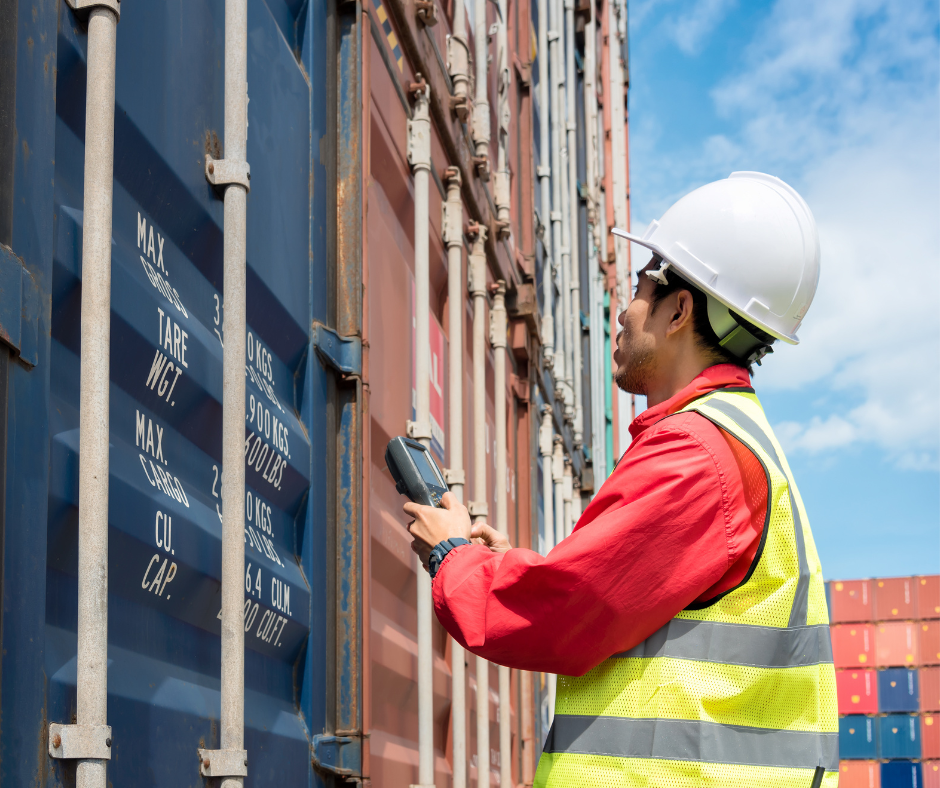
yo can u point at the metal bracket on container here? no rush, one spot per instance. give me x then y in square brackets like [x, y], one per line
[80, 742]
[344, 354]
[20, 306]
[222, 172]
[478, 509]
[416, 430]
[426, 11]
[452, 476]
[78, 6]
[223, 763]
[341, 755]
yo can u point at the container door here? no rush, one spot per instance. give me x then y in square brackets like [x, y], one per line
[167, 330]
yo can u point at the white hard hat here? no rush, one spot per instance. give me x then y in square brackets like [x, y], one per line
[749, 242]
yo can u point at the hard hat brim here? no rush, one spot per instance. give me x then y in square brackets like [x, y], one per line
[791, 339]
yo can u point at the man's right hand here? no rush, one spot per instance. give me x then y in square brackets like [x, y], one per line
[483, 534]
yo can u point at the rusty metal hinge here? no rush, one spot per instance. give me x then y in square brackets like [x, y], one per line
[342, 353]
[340, 755]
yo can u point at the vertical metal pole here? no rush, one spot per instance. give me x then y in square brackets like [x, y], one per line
[501, 190]
[233, 388]
[558, 477]
[453, 238]
[574, 293]
[478, 507]
[567, 487]
[618, 166]
[556, 213]
[546, 433]
[545, 172]
[458, 57]
[498, 341]
[419, 156]
[480, 123]
[94, 399]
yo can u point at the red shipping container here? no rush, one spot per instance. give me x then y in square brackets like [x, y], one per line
[929, 736]
[857, 691]
[931, 774]
[850, 600]
[896, 644]
[927, 597]
[859, 774]
[929, 642]
[853, 645]
[929, 679]
[894, 599]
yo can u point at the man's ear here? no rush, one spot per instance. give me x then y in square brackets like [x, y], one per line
[682, 312]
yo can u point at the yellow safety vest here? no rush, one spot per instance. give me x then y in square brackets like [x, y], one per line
[738, 693]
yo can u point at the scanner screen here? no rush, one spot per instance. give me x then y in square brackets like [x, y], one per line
[425, 468]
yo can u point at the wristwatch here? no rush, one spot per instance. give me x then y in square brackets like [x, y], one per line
[440, 550]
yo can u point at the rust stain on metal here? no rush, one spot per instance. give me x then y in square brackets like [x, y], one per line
[213, 147]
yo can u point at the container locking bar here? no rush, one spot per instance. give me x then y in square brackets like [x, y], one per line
[85, 742]
[223, 763]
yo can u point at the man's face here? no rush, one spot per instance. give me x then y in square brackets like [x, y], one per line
[635, 355]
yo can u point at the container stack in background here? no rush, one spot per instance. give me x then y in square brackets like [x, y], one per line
[886, 649]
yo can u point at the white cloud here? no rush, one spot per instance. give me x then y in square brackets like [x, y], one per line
[840, 98]
[688, 26]
[690, 29]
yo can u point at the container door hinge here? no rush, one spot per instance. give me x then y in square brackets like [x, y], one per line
[80, 742]
[344, 354]
[340, 755]
[223, 763]
[19, 308]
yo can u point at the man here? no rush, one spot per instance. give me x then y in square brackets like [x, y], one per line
[685, 616]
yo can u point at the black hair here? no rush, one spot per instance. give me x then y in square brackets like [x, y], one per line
[707, 338]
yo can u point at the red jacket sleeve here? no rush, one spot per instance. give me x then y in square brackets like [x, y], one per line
[655, 538]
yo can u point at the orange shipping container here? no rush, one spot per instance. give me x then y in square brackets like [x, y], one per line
[850, 601]
[894, 599]
[930, 736]
[896, 644]
[929, 679]
[929, 643]
[931, 774]
[859, 774]
[853, 645]
[927, 597]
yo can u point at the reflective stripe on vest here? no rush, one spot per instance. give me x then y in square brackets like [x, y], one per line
[738, 691]
[692, 740]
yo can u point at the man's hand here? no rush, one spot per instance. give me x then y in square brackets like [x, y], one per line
[486, 535]
[432, 525]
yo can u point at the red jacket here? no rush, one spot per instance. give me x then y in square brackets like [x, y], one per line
[679, 520]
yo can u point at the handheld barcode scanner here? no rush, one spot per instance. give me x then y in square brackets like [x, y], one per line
[415, 472]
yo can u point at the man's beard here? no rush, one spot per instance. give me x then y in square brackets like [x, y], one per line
[638, 364]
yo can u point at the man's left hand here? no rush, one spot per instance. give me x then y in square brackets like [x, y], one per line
[433, 525]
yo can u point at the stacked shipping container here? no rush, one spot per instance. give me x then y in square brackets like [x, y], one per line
[886, 648]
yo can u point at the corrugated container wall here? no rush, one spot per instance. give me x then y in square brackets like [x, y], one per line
[336, 669]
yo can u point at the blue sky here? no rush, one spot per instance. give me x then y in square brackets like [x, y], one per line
[840, 98]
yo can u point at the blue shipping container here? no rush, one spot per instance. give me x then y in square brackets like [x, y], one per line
[901, 774]
[898, 690]
[858, 737]
[900, 736]
[167, 330]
